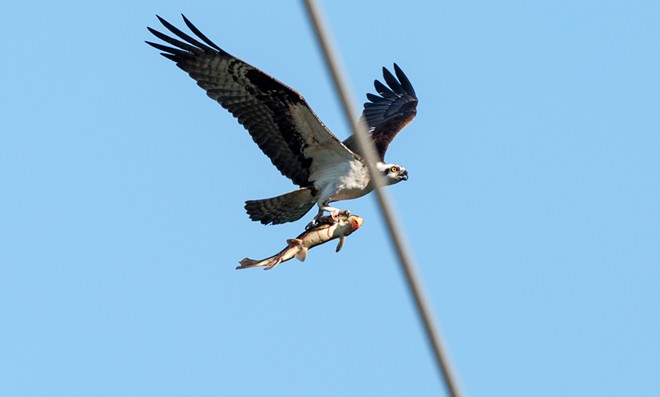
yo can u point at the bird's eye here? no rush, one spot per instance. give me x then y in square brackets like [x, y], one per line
[393, 169]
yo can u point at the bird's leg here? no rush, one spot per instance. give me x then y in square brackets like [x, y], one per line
[334, 216]
[316, 220]
[334, 212]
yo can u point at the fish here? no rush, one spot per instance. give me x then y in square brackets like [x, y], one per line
[325, 229]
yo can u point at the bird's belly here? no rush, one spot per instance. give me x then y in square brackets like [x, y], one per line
[347, 181]
[349, 193]
[352, 186]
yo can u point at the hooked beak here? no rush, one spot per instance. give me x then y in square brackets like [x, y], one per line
[404, 175]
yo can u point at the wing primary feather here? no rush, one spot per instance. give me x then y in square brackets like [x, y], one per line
[392, 82]
[383, 90]
[171, 57]
[373, 98]
[183, 35]
[169, 50]
[199, 34]
[175, 42]
[407, 85]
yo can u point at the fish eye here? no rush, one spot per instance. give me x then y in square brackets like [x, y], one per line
[394, 168]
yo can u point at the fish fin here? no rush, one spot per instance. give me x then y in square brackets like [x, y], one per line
[294, 242]
[302, 254]
[273, 263]
[340, 243]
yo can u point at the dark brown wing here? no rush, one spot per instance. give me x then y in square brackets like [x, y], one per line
[277, 117]
[386, 114]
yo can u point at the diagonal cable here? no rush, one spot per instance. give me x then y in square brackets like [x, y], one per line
[369, 151]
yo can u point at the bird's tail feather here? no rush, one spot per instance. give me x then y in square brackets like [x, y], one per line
[288, 207]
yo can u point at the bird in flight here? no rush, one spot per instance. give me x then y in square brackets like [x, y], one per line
[286, 129]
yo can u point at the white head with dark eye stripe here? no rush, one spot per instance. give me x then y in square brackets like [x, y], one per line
[393, 173]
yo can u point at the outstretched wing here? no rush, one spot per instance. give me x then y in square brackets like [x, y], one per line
[277, 117]
[386, 114]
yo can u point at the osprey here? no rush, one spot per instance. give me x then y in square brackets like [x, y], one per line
[287, 130]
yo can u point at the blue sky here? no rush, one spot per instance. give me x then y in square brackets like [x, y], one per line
[532, 206]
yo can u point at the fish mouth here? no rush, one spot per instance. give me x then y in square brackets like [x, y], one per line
[356, 222]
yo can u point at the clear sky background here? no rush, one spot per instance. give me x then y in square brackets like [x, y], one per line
[532, 208]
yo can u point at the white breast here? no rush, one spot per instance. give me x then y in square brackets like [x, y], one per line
[343, 181]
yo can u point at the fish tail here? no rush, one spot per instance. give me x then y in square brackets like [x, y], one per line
[268, 263]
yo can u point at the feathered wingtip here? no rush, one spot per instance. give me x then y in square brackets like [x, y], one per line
[405, 83]
[395, 88]
[186, 45]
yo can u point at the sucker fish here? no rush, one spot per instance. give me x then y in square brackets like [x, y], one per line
[327, 228]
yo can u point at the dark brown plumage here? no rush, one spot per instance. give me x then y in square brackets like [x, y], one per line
[259, 102]
[386, 114]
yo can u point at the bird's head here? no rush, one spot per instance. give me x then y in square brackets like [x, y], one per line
[393, 173]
